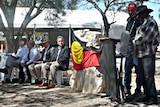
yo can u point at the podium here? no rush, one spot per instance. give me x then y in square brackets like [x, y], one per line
[113, 76]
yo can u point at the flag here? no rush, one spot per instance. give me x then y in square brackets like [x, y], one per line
[82, 56]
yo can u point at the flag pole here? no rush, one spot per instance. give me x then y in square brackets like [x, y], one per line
[34, 31]
[69, 35]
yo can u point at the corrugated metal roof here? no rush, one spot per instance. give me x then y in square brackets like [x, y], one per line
[75, 18]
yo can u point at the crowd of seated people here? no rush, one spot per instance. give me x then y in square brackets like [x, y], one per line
[37, 67]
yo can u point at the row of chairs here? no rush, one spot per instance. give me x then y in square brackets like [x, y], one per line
[61, 77]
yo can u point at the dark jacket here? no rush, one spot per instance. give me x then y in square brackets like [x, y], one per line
[50, 53]
[63, 58]
[132, 25]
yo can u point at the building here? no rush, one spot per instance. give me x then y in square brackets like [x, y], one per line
[76, 19]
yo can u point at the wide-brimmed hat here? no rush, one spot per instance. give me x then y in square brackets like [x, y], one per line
[143, 9]
[44, 40]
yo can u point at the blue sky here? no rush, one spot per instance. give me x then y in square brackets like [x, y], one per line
[155, 8]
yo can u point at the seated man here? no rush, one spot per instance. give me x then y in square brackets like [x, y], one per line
[32, 56]
[35, 68]
[59, 61]
[15, 59]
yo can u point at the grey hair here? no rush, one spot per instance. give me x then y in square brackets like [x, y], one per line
[60, 37]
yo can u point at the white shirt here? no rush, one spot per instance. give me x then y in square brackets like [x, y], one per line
[59, 50]
[34, 56]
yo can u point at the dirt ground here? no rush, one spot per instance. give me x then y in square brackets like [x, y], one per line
[26, 95]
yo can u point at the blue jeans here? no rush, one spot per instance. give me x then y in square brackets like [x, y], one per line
[10, 63]
[130, 62]
[147, 71]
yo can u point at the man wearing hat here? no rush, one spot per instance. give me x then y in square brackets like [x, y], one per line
[131, 60]
[59, 61]
[35, 68]
[146, 42]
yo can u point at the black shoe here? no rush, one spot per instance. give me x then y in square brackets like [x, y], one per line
[21, 81]
[7, 81]
[132, 97]
[137, 90]
[3, 82]
[4, 70]
[28, 81]
[144, 99]
[37, 82]
[15, 80]
[33, 83]
[137, 93]
[151, 101]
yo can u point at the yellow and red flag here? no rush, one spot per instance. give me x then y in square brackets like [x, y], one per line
[82, 56]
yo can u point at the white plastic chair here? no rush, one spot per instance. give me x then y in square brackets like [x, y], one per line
[60, 77]
[15, 73]
[2, 64]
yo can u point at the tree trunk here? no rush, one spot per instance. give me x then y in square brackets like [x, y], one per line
[11, 44]
[106, 25]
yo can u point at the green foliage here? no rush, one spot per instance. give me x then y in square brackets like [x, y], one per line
[35, 7]
[72, 4]
[57, 4]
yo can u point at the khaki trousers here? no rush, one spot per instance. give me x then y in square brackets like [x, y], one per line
[53, 70]
[45, 70]
[35, 70]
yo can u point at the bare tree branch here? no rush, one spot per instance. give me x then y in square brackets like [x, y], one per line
[95, 5]
[29, 16]
[105, 3]
[9, 12]
[3, 7]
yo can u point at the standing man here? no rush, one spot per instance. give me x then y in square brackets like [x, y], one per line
[35, 68]
[60, 61]
[131, 60]
[32, 56]
[146, 42]
[14, 60]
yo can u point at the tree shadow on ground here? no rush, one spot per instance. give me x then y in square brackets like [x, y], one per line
[29, 95]
[133, 100]
[26, 95]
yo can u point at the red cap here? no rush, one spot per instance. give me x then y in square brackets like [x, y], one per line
[131, 7]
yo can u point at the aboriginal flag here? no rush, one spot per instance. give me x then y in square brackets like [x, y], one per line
[82, 56]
